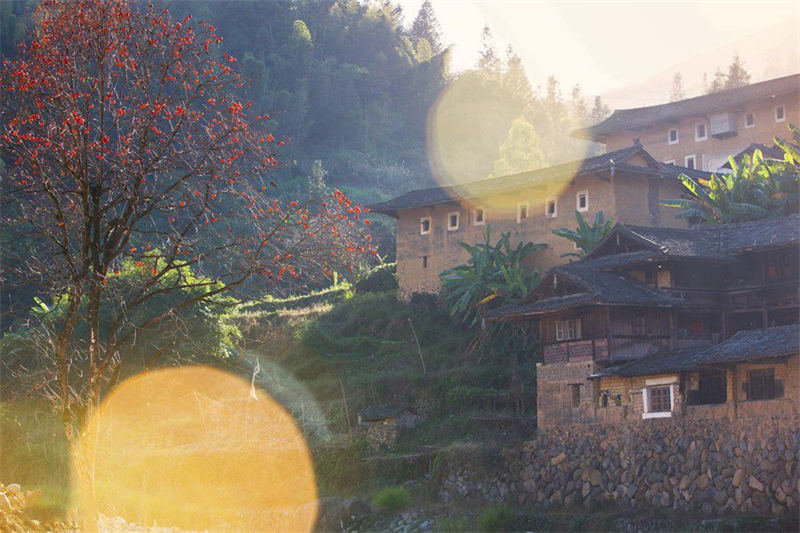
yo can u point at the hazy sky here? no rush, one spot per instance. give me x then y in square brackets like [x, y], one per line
[601, 45]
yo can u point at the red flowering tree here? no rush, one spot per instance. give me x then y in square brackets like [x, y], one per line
[127, 148]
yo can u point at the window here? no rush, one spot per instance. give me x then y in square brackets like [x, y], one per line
[479, 218]
[659, 399]
[780, 114]
[424, 261]
[550, 208]
[762, 385]
[690, 161]
[749, 120]
[576, 394]
[640, 325]
[452, 221]
[700, 132]
[568, 329]
[582, 201]
[672, 137]
[522, 212]
[424, 225]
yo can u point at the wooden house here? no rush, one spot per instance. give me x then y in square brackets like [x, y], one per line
[659, 318]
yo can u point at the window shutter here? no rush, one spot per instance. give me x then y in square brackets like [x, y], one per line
[645, 400]
[779, 388]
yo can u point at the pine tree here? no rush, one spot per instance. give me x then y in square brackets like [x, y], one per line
[599, 111]
[521, 151]
[677, 88]
[426, 26]
[488, 62]
[737, 75]
[515, 78]
[718, 83]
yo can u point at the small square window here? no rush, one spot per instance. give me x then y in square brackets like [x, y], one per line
[480, 217]
[452, 221]
[522, 212]
[582, 201]
[673, 136]
[424, 225]
[659, 399]
[567, 330]
[700, 133]
[424, 261]
[550, 208]
[749, 120]
[780, 114]
[690, 162]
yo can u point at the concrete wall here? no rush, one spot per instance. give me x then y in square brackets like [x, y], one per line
[655, 142]
[713, 467]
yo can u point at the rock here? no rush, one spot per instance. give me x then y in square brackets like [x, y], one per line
[596, 477]
[756, 484]
[558, 459]
[720, 497]
[738, 477]
[703, 482]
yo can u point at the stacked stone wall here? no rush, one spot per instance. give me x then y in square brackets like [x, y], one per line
[711, 467]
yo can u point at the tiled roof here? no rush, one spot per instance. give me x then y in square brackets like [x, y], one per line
[641, 117]
[751, 345]
[602, 286]
[544, 177]
[712, 242]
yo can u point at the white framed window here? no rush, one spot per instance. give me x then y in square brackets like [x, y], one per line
[522, 212]
[551, 208]
[690, 161]
[669, 162]
[567, 330]
[424, 225]
[453, 219]
[700, 132]
[479, 217]
[658, 397]
[749, 120]
[672, 136]
[780, 113]
[582, 201]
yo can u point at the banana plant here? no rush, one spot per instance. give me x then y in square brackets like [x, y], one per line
[586, 237]
[493, 274]
[754, 189]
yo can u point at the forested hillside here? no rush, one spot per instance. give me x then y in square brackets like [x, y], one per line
[351, 88]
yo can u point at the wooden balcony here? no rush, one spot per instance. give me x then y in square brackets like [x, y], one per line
[576, 350]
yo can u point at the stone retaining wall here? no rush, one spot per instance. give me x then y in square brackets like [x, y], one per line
[708, 466]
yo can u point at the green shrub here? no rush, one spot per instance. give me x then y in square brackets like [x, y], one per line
[497, 517]
[392, 499]
[381, 279]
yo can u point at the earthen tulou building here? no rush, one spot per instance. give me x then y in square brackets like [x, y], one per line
[660, 320]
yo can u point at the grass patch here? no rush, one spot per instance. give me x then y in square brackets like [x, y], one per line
[392, 499]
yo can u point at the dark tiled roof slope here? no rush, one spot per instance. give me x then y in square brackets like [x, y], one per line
[640, 117]
[545, 176]
[713, 242]
[603, 286]
[751, 345]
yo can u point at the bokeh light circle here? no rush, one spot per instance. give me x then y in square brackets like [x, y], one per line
[194, 448]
